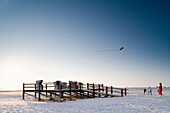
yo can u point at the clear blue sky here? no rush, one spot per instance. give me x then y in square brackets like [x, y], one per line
[59, 39]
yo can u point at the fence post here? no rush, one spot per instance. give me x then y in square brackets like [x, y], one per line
[106, 91]
[99, 90]
[35, 92]
[125, 91]
[111, 90]
[121, 92]
[93, 91]
[23, 91]
[70, 89]
[39, 98]
[88, 89]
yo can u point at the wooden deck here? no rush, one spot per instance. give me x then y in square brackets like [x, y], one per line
[69, 92]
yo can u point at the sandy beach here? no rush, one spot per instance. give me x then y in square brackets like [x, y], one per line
[134, 102]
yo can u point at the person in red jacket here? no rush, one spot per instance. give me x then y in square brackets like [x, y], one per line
[160, 89]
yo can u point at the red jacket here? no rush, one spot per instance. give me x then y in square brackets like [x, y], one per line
[160, 90]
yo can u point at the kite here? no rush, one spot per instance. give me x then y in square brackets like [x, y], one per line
[121, 48]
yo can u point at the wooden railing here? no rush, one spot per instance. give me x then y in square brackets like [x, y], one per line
[108, 90]
[88, 90]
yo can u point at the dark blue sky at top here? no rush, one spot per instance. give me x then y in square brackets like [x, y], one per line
[143, 24]
[73, 26]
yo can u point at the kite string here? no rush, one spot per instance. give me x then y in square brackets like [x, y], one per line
[108, 50]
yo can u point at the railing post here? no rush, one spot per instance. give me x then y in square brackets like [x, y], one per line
[39, 98]
[35, 92]
[88, 89]
[93, 91]
[23, 95]
[70, 89]
[76, 87]
[99, 90]
[60, 92]
[106, 91]
[80, 89]
[121, 92]
[102, 87]
[111, 89]
[46, 89]
[125, 91]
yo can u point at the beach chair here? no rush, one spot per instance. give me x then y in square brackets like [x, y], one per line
[39, 82]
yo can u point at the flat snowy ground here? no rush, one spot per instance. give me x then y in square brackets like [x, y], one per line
[135, 102]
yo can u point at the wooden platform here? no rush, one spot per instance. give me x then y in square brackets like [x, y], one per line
[69, 93]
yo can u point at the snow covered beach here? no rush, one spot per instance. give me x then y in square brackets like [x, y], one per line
[135, 102]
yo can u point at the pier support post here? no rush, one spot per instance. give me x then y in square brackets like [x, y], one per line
[35, 91]
[88, 89]
[80, 89]
[70, 90]
[23, 95]
[46, 89]
[102, 87]
[125, 91]
[39, 97]
[111, 89]
[121, 92]
[106, 92]
[99, 90]
[60, 92]
[93, 91]
[50, 96]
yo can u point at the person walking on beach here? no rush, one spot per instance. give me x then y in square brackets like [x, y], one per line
[149, 90]
[144, 91]
[160, 89]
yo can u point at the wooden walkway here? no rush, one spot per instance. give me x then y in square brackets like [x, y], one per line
[70, 91]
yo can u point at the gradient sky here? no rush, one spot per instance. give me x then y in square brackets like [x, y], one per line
[59, 39]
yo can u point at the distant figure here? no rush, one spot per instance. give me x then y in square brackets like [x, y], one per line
[160, 89]
[144, 91]
[149, 90]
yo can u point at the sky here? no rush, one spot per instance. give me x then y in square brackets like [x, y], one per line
[58, 40]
